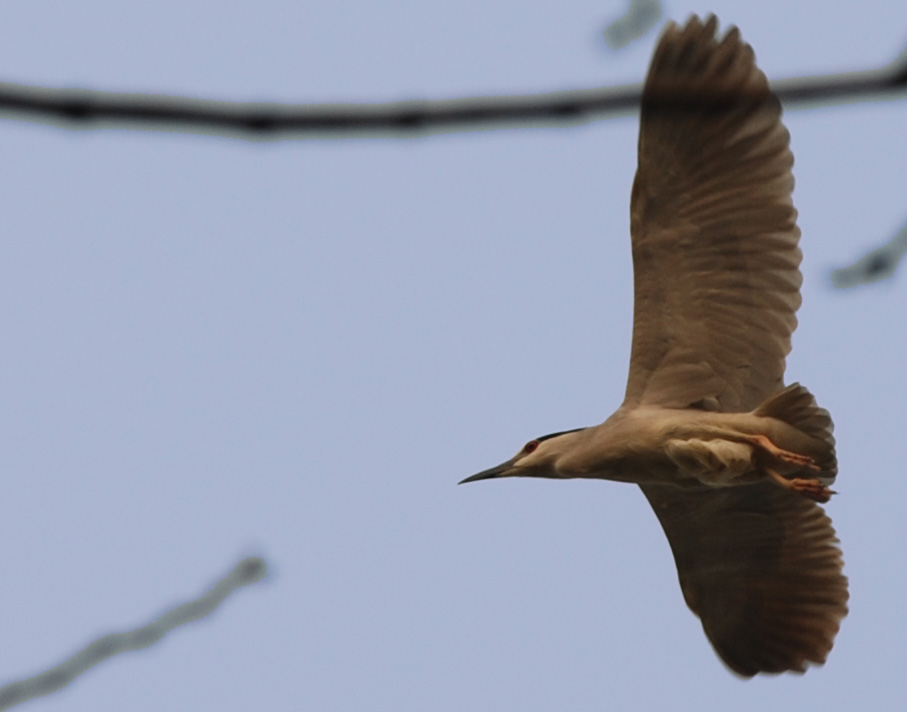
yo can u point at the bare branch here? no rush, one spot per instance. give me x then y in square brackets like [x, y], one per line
[245, 572]
[873, 266]
[87, 109]
[640, 17]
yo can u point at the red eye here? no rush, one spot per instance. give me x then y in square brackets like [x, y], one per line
[531, 446]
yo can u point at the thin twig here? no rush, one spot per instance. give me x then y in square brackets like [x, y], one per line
[87, 109]
[874, 266]
[640, 17]
[245, 572]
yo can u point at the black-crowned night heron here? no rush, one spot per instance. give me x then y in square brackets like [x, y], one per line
[731, 460]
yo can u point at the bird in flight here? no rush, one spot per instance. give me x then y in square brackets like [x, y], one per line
[733, 462]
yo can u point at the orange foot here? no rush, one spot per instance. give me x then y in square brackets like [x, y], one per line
[813, 489]
[785, 455]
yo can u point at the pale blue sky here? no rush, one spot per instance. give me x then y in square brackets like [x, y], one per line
[213, 348]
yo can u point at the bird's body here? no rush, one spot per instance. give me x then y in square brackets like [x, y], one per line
[683, 448]
[731, 460]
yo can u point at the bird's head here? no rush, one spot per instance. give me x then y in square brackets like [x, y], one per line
[537, 458]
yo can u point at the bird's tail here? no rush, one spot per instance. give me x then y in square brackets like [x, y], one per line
[797, 407]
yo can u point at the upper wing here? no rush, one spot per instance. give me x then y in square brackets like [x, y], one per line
[761, 567]
[714, 230]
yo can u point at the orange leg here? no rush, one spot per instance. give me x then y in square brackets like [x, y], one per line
[784, 455]
[813, 489]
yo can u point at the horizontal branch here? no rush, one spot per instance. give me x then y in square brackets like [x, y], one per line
[245, 572]
[88, 109]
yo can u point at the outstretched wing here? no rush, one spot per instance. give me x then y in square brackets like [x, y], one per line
[713, 228]
[761, 567]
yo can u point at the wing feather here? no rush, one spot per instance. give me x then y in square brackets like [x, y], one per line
[714, 232]
[761, 567]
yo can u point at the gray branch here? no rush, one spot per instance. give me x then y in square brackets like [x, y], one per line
[88, 109]
[245, 572]
[874, 266]
[640, 17]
